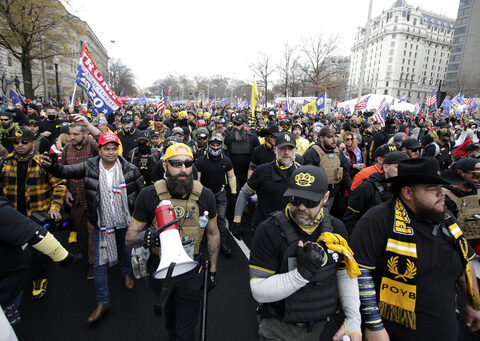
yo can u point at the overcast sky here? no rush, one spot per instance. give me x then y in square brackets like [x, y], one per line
[211, 37]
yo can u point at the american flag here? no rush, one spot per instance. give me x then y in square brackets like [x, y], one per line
[468, 101]
[383, 105]
[379, 117]
[362, 105]
[160, 108]
[287, 105]
[457, 100]
[431, 99]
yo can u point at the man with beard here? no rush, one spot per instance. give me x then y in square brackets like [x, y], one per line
[201, 138]
[300, 265]
[463, 200]
[128, 135]
[162, 130]
[173, 120]
[80, 149]
[144, 156]
[190, 199]
[326, 155]
[412, 254]
[264, 153]
[383, 136]
[269, 181]
[216, 168]
[240, 144]
[441, 148]
[6, 130]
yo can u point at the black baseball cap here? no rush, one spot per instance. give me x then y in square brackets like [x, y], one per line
[411, 143]
[384, 149]
[472, 146]
[239, 119]
[32, 123]
[395, 157]
[22, 134]
[158, 117]
[154, 133]
[467, 165]
[284, 138]
[144, 135]
[308, 182]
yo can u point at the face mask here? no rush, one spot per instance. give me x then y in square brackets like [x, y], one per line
[52, 117]
[128, 128]
[11, 107]
[215, 152]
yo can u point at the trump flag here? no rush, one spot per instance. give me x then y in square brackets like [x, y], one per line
[101, 97]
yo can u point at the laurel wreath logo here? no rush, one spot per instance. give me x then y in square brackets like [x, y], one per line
[409, 273]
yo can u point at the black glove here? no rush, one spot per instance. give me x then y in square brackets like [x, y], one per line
[71, 258]
[310, 258]
[237, 230]
[151, 238]
[212, 280]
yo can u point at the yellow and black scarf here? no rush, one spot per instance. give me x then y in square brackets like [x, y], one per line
[398, 287]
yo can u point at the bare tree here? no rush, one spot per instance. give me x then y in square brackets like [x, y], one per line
[26, 24]
[121, 78]
[287, 70]
[263, 70]
[315, 66]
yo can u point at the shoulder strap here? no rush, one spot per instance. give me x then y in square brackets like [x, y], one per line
[197, 190]
[287, 230]
[319, 150]
[458, 201]
[327, 225]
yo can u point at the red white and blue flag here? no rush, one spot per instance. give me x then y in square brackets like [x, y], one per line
[160, 107]
[431, 99]
[468, 101]
[287, 107]
[362, 105]
[383, 105]
[100, 96]
[457, 100]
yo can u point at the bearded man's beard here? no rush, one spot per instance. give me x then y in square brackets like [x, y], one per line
[179, 188]
[429, 213]
[239, 135]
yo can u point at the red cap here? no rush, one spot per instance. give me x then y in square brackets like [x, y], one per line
[107, 138]
[201, 123]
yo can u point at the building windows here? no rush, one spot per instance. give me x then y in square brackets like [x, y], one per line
[390, 59]
[453, 66]
[385, 92]
[455, 58]
[392, 44]
[392, 51]
[452, 75]
[457, 49]
[394, 35]
[9, 61]
[396, 18]
[395, 28]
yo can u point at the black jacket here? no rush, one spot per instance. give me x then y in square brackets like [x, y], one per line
[91, 172]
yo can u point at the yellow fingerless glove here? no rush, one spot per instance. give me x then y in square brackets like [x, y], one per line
[51, 247]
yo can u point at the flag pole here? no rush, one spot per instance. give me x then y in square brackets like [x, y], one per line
[75, 85]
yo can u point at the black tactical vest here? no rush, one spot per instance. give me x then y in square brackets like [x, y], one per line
[317, 300]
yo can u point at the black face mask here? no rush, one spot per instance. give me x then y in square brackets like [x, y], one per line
[52, 117]
[143, 148]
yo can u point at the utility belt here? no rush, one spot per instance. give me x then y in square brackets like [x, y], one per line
[268, 310]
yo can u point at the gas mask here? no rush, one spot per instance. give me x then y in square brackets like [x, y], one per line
[215, 152]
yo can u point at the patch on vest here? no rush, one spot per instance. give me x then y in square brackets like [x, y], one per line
[179, 212]
[465, 203]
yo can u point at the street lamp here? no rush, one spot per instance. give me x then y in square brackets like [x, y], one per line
[57, 86]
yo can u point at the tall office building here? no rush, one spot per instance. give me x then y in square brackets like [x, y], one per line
[463, 71]
[407, 53]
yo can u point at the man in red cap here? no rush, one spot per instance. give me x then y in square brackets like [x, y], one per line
[111, 185]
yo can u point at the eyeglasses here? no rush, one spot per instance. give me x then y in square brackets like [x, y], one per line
[15, 142]
[296, 201]
[349, 139]
[180, 163]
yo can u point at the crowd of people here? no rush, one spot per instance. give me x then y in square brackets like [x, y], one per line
[380, 218]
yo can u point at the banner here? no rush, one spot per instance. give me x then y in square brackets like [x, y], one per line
[320, 102]
[100, 96]
[254, 98]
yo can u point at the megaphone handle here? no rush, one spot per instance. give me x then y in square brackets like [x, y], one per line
[165, 291]
[163, 227]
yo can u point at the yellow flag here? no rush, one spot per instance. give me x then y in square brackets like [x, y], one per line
[310, 107]
[254, 99]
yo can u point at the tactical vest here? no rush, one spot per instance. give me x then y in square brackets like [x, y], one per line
[317, 300]
[241, 147]
[186, 210]
[381, 191]
[468, 207]
[330, 163]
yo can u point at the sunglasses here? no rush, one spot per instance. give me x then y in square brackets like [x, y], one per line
[5, 119]
[21, 141]
[349, 139]
[202, 138]
[180, 163]
[475, 175]
[158, 120]
[296, 201]
[237, 124]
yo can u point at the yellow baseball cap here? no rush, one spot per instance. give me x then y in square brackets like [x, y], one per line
[182, 114]
[178, 149]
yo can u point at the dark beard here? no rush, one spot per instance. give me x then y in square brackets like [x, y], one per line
[425, 213]
[179, 188]
[239, 135]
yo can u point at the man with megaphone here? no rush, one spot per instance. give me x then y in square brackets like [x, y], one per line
[175, 208]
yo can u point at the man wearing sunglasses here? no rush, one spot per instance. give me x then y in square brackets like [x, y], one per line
[300, 264]
[190, 200]
[264, 153]
[163, 130]
[440, 149]
[128, 134]
[411, 147]
[463, 200]
[31, 189]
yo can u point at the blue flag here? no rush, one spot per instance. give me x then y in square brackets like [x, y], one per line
[5, 99]
[16, 98]
[142, 100]
[320, 102]
[446, 104]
